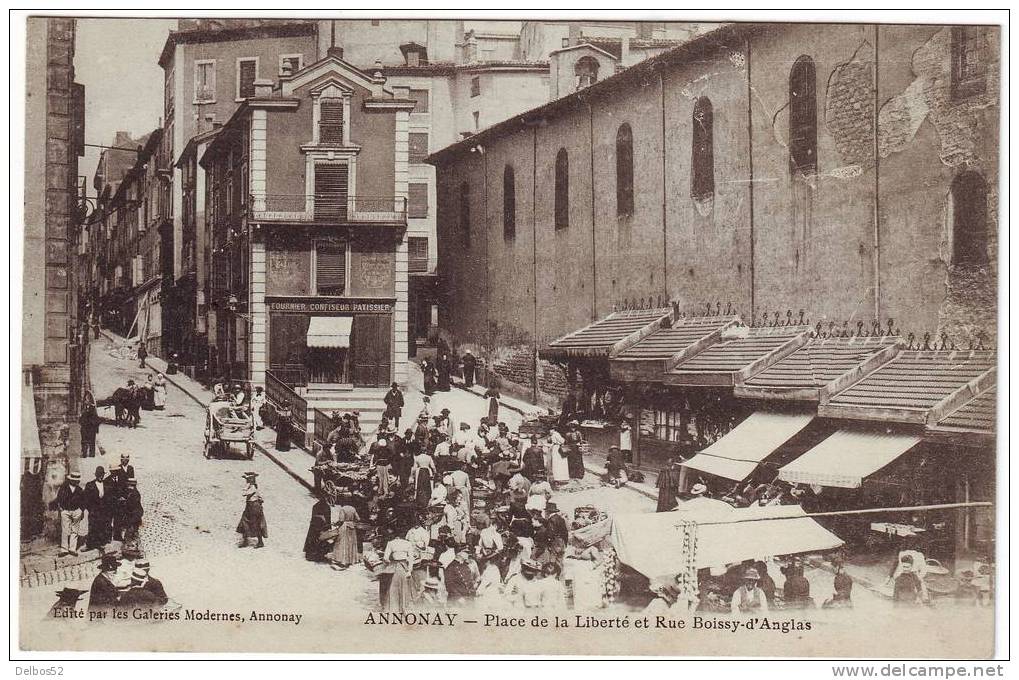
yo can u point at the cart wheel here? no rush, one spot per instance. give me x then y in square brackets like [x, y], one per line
[330, 490]
[249, 450]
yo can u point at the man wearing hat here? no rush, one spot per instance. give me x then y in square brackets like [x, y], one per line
[138, 594]
[461, 584]
[98, 502]
[105, 593]
[381, 458]
[394, 404]
[128, 518]
[749, 598]
[252, 523]
[533, 460]
[70, 504]
[154, 585]
[257, 402]
[67, 600]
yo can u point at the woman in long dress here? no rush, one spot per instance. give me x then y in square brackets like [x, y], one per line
[159, 392]
[454, 516]
[574, 456]
[252, 524]
[559, 464]
[346, 550]
[399, 559]
[314, 547]
[283, 427]
[422, 472]
[493, 397]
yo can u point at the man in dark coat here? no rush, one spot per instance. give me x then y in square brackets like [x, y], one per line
[89, 421]
[98, 503]
[533, 460]
[134, 404]
[315, 548]
[151, 583]
[442, 367]
[394, 404]
[70, 505]
[470, 364]
[128, 519]
[104, 594]
[460, 585]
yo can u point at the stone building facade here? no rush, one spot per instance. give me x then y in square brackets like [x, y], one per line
[54, 346]
[766, 167]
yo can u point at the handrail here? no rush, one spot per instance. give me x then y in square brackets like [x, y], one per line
[278, 392]
[329, 207]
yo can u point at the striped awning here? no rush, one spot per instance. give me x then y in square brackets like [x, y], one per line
[846, 458]
[736, 455]
[329, 331]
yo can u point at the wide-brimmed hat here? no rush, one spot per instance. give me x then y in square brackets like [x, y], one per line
[138, 574]
[751, 573]
[431, 583]
[109, 561]
[73, 476]
[249, 475]
[698, 489]
[131, 481]
[530, 565]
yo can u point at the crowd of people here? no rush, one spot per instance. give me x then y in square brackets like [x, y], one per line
[453, 514]
[124, 583]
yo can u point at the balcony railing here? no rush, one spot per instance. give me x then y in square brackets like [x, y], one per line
[329, 208]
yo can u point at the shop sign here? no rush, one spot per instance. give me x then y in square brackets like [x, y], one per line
[318, 305]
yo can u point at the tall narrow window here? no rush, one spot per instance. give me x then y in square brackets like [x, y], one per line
[205, 81]
[417, 200]
[418, 146]
[624, 171]
[417, 254]
[247, 72]
[969, 71]
[803, 117]
[969, 219]
[330, 268]
[702, 163]
[465, 214]
[331, 187]
[585, 72]
[562, 189]
[330, 121]
[509, 204]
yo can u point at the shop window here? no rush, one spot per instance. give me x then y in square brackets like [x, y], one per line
[420, 98]
[624, 171]
[465, 214]
[969, 219]
[969, 70]
[418, 143]
[562, 189]
[803, 117]
[702, 164]
[585, 72]
[509, 204]
[247, 72]
[330, 268]
[330, 121]
[668, 426]
[418, 200]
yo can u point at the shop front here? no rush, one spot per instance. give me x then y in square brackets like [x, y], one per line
[339, 342]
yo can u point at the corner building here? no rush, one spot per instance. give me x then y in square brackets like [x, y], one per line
[307, 207]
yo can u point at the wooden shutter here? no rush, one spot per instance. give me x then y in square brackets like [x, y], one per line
[420, 98]
[246, 79]
[417, 253]
[418, 204]
[330, 268]
[330, 192]
[330, 125]
[418, 142]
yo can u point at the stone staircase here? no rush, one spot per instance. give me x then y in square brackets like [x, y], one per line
[368, 401]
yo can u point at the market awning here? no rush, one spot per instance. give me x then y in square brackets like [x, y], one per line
[329, 331]
[607, 336]
[736, 455]
[846, 457]
[655, 544]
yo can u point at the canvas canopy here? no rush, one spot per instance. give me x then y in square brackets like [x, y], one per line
[329, 331]
[846, 457]
[736, 455]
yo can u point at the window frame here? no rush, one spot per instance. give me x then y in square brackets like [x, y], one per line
[509, 203]
[237, 78]
[428, 99]
[702, 150]
[300, 63]
[561, 190]
[624, 171]
[333, 241]
[196, 100]
[427, 210]
[964, 86]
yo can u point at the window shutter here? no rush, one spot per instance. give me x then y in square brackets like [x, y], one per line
[420, 98]
[418, 200]
[330, 126]
[417, 253]
[246, 86]
[331, 191]
[418, 142]
[330, 268]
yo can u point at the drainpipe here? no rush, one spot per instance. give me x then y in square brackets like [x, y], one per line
[750, 161]
[877, 187]
[594, 230]
[665, 214]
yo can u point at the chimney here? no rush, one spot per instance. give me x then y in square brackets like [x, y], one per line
[122, 138]
[335, 51]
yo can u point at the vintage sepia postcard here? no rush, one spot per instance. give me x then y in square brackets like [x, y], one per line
[544, 336]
